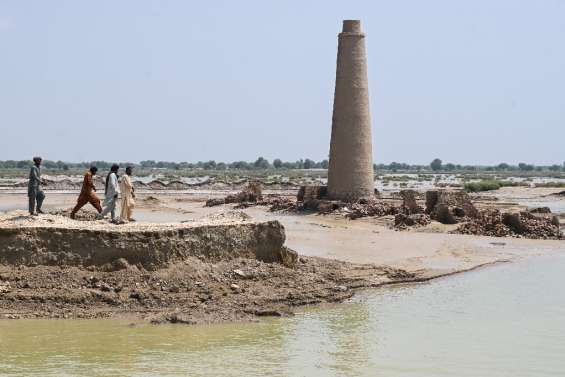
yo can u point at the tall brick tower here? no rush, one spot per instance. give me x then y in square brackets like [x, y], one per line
[350, 175]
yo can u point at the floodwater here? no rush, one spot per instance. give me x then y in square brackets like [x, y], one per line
[556, 206]
[505, 320]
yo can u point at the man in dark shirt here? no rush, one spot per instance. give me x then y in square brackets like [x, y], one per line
[34, 191]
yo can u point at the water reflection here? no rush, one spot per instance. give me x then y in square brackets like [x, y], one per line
[73, 347]
[331, 340]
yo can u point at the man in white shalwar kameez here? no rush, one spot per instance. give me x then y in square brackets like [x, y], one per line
[128, 196]
[111, 194]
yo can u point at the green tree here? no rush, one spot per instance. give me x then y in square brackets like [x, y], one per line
[394, 166]
[261, 163]
[241, 165]
[209, 165]
[277, 163]
[309, 164]
[436, 164]
[25, 164]
[147, 164]
[449, 166]
[525, 167]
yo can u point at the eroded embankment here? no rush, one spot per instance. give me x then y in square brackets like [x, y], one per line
[190, 292]
[212, 271]
[54, 240]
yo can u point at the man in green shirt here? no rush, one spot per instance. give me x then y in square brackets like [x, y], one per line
[34, 192]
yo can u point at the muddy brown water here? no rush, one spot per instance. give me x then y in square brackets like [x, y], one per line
[505, 320]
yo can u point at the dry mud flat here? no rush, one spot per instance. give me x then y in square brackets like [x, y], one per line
[224, 268]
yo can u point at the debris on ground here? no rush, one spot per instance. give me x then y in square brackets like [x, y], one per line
[252, 193]
[322, 206]
[279, 203]
[409, 202]
[444, 206]
[488, 223]
[151, 200]
[215, 202]
[540, 210]
[403, 221]
[82, 214]
[449, 207]
[522, 224]
[311, 198]
[374, 208]
[307, 193]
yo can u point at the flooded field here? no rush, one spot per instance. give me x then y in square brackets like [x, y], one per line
[499, 321]
[383, 182]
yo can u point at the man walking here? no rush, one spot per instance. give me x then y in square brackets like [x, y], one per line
[88, 193]
[34, 192]
[111, 193]
[128, 195]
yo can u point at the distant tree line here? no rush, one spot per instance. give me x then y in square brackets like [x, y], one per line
[262, 163]
[259, 164]
[437, 165]
[57, 165]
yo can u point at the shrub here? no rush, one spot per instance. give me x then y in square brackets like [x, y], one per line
[482, 186]
[490, 184]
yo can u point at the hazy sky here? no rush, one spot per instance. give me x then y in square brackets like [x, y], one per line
[475, 81]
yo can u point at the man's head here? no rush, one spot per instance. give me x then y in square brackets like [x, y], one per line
[129, 170]
[93, 170]
[37, 161]
[114, 168]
